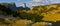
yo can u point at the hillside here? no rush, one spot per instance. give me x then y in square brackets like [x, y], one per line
[38, 16]
[50, 12]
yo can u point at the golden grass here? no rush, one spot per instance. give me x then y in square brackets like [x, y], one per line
[52, 16]
[40, 24]
[21, 23]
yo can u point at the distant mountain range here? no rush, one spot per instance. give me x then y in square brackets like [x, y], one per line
[13, 7]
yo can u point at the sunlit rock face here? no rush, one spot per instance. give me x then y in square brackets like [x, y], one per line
[23, 7]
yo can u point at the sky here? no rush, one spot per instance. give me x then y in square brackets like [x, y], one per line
[30, 3]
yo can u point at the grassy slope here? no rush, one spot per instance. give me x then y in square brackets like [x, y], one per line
[52, 15]
[50, 12]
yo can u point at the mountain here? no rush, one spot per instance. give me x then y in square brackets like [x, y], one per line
[50, 12]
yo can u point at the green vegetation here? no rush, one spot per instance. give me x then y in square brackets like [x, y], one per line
[36, 17]
[5, 10]
[56, 23]
[32, 17]
[23, 15]
[1, 20]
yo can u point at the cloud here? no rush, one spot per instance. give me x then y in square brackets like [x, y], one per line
[18, 0]
[36, 3]
[40, 2]
[37, 0]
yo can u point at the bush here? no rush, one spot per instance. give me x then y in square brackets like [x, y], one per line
[2, 20]
[32, 17]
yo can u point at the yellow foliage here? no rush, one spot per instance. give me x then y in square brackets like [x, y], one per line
[52, 16]
[40, 24]
[49, 16]
[21, 23]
